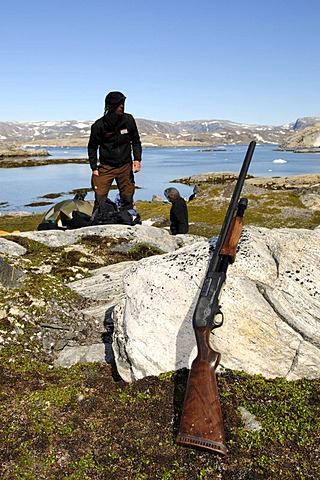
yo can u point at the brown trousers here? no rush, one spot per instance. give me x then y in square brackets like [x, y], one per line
[124, 178]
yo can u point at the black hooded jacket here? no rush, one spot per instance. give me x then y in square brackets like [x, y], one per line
[116, 137]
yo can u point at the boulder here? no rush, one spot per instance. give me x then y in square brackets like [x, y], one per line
[12, 249]
[81, 354]
[270, 302]
[10, 277]
[157, 237]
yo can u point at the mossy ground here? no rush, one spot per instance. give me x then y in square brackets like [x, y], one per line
[81, 424]
[23, 223]
[266, 208]
[270, 208]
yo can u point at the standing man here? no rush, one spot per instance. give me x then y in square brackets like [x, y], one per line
[178, 212]
[116, 137]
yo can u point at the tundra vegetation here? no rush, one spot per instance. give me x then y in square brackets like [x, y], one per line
[82, 423]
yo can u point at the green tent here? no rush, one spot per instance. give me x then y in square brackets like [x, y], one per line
[61, 213]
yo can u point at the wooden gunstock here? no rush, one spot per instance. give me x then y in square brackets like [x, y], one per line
[201, 424]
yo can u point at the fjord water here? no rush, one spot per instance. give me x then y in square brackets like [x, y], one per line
[25, 185]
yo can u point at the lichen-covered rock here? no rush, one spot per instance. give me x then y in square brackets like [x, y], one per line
[157, 237]
[271, 304]
[12, 249]
[10, 276]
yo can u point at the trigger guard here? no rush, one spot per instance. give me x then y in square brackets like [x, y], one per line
[218, 324]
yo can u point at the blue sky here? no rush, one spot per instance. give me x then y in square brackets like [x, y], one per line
[246, 61]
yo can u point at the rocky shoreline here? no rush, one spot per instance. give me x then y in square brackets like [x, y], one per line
[14, 155]
[294, 181]
[298, 150]
[277, 201]
[36, 161]
[12, 150]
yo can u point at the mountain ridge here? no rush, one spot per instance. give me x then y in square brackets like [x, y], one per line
[154, 133]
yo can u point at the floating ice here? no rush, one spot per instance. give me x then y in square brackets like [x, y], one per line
[279, 160]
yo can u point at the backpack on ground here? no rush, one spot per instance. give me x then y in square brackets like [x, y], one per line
[124, 217]
[130, 217]
[80, 219]
[50, 225]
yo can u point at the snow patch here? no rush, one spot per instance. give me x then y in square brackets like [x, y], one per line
[260, 139]
[317, 142]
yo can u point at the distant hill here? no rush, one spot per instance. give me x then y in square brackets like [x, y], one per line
[153, 133]
[306, 136]
[209, 132]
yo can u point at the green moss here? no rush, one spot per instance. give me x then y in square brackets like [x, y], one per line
[142, 250]
[287, 411]
[53, 395]
[84, 467]
[20, 358]
[36, 251]
[315, 219]
[148, 209]
[63, 439]
[128, 395]
[24, 223]
[44, 288]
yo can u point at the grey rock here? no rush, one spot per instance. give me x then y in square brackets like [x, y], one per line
[156, 199]
[80, 354]
[106, 283]
[52, 238]
[10, 248]
[134, 235]
[270, 301]
[249, 420]
[271, 304]
[10, 277]
[9, 150]
[106, 289]
[306, 138]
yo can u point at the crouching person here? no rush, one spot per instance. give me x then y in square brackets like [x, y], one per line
[178, 213]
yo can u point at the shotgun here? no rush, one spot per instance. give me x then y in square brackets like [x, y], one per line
[201, 422]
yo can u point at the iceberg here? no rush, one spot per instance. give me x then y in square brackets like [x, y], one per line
[279, 160]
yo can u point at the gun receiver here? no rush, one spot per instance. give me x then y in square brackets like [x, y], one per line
[201, 423]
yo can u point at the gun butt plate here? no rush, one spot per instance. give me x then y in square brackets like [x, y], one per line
[201, 443]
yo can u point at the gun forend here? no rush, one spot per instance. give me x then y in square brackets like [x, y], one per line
[230, 244]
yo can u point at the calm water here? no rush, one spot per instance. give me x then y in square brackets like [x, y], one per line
[21, 186]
